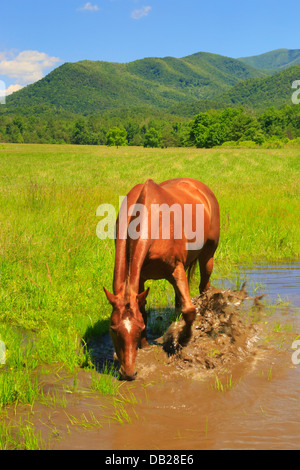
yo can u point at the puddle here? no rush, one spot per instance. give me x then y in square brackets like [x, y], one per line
[279, 281]
[233, 386]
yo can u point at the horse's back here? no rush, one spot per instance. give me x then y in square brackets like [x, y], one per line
[189, 190]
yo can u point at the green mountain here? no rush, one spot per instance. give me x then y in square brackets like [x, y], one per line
[256, 94]
[182, 87]
[261, 93]
[274, 61]
[90, 87]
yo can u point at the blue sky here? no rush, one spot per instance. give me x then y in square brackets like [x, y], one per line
[38, 35]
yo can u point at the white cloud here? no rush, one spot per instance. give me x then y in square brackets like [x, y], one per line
[89, 7]
[26, 67]
[140, 13]
[12, 88]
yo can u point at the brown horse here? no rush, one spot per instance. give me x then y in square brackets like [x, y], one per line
[159, 255]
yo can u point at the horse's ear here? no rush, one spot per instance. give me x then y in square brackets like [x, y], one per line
[141, 298]
[110, 297]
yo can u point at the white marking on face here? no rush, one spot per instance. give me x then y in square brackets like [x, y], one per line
[127, 324]
[130, 353]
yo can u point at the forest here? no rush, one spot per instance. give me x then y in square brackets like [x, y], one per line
[206, 130]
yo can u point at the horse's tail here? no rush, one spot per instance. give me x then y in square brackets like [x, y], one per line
[191, 270]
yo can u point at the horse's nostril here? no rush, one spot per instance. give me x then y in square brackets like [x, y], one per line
[124, 376]
[130, 377]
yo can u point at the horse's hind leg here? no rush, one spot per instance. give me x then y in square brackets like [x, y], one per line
[206, 263]
[206, 269]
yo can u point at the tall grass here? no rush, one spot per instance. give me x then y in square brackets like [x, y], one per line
[21, 436]
[106, 382]
[53, 267]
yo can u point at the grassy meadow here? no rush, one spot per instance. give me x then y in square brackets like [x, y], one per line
[53, 267]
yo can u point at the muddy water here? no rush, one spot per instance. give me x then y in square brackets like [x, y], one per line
[279, 281]
[241, 392]
[257, 413]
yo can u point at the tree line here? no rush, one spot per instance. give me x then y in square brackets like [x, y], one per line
[205, 130]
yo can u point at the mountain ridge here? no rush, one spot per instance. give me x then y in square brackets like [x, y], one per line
[273, 61]
[96, 86]
[196, 82]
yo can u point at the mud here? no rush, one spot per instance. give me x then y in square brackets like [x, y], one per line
[221, 334]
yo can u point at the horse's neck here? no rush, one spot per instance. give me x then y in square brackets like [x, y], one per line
[128, 264]
[130, 254]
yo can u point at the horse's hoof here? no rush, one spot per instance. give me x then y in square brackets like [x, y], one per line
[185, 335]
[144, 344]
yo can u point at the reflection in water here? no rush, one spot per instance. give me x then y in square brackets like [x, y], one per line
[280, 281]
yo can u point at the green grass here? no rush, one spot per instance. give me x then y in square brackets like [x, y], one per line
[21, 436]
[53, 267]
[106, 382]
[84, 422]
[222, 386]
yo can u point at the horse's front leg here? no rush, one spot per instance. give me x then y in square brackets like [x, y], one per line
[144, 341]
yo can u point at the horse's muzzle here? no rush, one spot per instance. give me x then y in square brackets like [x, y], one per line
[124, 376]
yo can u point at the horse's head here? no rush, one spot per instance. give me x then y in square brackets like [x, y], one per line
[126, 327]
